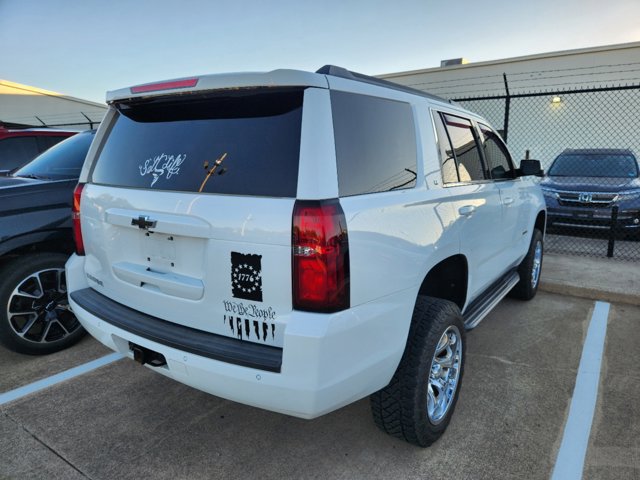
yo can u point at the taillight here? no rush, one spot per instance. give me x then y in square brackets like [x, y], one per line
[320, 257]
[75, 216]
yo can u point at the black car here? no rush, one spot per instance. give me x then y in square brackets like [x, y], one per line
[35, 241]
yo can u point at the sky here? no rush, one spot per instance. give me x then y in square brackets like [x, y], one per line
[83, 48]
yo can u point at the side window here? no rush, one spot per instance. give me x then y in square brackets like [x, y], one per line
[375, 144]
[465, 148]
[447, 160]
[496, 154]
[16, 151]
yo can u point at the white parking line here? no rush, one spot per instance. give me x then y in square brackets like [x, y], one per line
[573, 449]
[12, 395]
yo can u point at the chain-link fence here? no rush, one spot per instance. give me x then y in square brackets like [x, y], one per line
[588, 142]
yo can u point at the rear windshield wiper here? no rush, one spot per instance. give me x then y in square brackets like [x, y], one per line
[35, 177]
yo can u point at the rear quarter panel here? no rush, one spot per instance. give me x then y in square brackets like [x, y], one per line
[396, 237]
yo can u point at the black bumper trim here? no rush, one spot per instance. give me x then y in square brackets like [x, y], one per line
[198, 342]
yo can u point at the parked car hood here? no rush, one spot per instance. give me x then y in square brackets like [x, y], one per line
[6, 182]
[591, 184]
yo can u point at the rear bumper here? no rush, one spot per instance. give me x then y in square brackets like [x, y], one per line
[327, 360]
[189, 340]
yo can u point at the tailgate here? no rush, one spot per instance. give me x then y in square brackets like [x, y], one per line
[187, 212]
[227, 273]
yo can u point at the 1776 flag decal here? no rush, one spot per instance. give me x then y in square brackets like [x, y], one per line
[246, 276]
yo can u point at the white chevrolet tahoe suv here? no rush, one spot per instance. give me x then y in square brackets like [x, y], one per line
[297, 241]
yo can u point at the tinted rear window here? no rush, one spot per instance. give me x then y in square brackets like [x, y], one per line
[375, 144]
[244, 144]
[62, 161]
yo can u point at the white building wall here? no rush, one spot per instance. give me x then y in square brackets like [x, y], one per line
[23, 104]
[584, 120]
[556, 70]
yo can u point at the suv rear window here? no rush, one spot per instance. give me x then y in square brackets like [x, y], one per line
[375, 144]
[245, 143]
[62, 161]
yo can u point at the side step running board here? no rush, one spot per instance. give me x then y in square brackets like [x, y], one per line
[481, 306]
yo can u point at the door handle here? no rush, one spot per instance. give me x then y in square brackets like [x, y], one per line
[467, 210]
[507, 201]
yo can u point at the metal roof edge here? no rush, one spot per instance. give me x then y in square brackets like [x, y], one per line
[536, 56]
[49, 93]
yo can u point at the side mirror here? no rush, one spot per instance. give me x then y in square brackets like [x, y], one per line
[530, 167]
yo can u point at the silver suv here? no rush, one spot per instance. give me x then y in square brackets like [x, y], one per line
[297, 241]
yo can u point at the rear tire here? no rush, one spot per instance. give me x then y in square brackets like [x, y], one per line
[34, 310]
[530, 269]
[418, 403]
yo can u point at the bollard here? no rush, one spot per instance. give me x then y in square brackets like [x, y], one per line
[612, 231]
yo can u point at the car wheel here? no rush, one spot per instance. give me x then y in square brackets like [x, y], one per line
[530, 269]
[418, 403]
[35, 317]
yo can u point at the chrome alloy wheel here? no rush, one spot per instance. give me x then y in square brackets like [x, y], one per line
[537, 264]
[444, 374]
[38, 309]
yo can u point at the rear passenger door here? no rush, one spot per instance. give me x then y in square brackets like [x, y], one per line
[476, 200]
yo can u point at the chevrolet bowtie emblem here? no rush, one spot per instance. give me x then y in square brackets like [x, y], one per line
[143, 222]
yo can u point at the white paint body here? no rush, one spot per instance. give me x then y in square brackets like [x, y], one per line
[395, 239]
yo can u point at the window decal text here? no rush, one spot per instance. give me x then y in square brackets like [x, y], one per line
[162, 165]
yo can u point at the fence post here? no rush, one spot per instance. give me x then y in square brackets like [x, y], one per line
[612, 231]
[507, 107]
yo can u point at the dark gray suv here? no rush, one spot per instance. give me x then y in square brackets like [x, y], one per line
[582, 187]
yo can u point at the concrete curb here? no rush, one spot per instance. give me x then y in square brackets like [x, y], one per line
[593, 278]
[589, 293]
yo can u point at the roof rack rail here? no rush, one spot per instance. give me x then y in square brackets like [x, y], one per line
[341, 72]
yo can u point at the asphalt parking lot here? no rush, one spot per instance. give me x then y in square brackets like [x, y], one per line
[124, 421]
